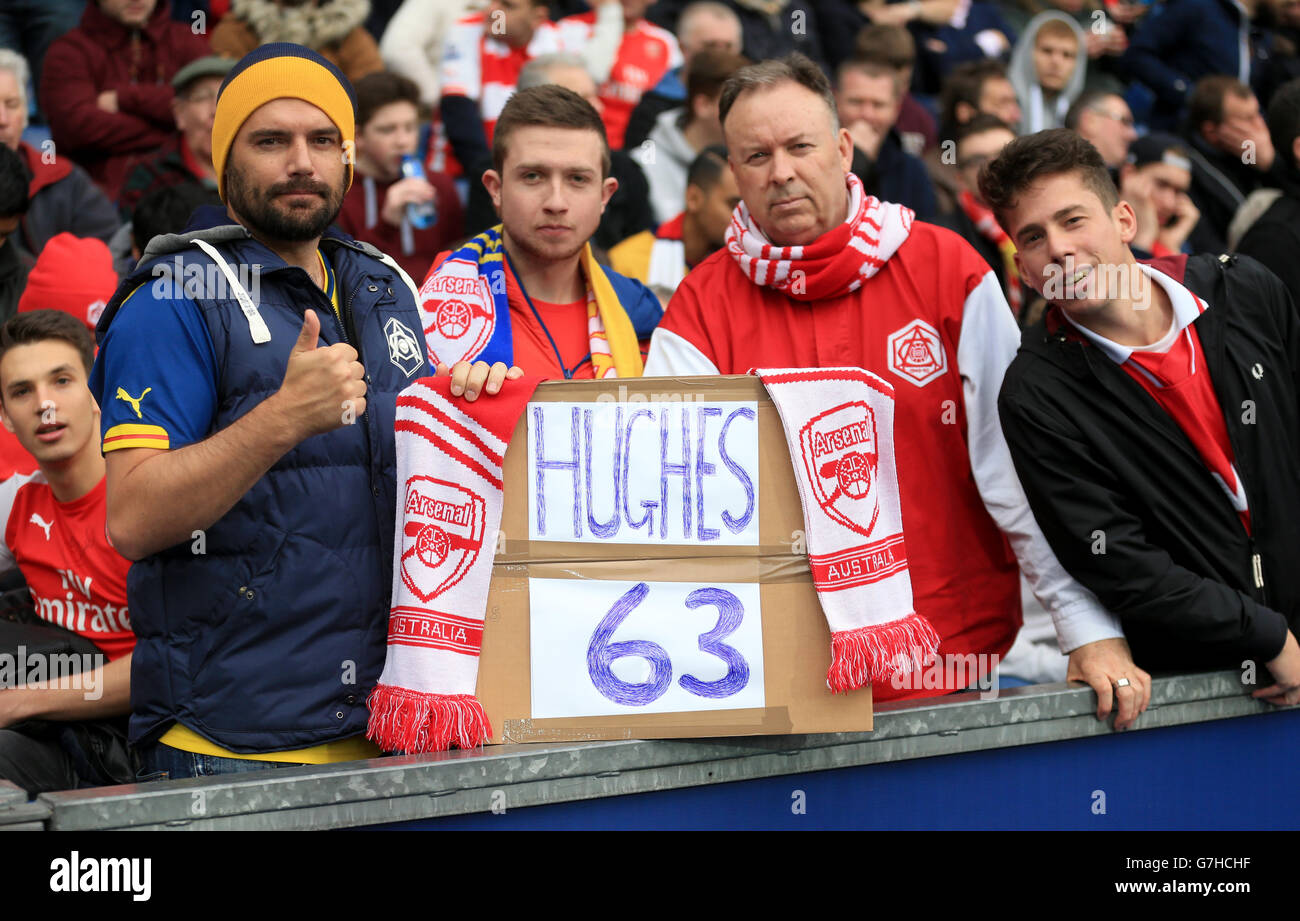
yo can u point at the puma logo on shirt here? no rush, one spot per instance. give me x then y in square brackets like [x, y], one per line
[42, 524]
[134, 401]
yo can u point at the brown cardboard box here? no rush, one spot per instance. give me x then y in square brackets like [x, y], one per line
[795, 637]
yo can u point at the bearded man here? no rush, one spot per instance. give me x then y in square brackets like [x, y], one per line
[248, 375]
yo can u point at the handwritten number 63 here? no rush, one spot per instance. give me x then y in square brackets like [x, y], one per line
[601, 653]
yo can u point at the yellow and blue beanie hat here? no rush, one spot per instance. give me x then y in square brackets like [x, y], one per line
[281, 70]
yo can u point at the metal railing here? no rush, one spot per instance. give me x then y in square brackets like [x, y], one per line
[415, 787]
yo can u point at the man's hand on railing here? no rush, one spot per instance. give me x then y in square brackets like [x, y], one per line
[1286, 674]
[1103, 665]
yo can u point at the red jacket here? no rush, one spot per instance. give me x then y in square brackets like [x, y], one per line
[99, 55]
[415, 251]
[943, 339]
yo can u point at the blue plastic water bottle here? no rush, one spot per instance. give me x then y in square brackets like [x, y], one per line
[420, 216]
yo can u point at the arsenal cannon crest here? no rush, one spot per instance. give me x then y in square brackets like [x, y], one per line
[916, 353]
[458, 315]
[840, 454]
[442, 537]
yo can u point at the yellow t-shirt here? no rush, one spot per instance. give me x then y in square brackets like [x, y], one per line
[353, 748]
[331, 289]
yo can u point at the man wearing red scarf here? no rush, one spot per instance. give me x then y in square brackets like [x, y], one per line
[818, 274]
[979, 141]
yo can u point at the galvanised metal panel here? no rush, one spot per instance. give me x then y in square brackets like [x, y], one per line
[517, 777]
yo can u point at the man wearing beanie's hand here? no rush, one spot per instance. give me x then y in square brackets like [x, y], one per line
[248, 376]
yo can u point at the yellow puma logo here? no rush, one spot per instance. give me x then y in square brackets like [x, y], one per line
[134, 401]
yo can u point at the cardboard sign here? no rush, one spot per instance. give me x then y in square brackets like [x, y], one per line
[683, 606]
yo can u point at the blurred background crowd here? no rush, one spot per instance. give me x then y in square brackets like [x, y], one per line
[106, 112]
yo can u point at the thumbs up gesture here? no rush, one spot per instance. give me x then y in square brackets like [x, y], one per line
[323, 388]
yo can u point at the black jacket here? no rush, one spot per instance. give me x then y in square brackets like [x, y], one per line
[14, 267]
[895, 175]
[960, 223]
[1128, 505]
[793, 28]
[1220, 183]
[1274, 239]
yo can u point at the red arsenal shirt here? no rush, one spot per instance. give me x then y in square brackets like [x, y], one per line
[646, 53]
[943, 339]
[482, 67]
[77, 579]
[14, 458]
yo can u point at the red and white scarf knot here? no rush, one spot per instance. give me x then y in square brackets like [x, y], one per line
[834, 264]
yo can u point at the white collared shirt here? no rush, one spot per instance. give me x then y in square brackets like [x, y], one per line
[1186, 306]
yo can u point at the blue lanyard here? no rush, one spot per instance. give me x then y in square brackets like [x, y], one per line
[568, 373]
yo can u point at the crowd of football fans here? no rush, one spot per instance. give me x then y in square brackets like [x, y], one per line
[109, 106]
[106, 143]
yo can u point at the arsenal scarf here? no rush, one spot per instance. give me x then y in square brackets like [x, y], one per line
[449, 464]
[465, 311]
[839, 426]
[984, 221]
[834, 264]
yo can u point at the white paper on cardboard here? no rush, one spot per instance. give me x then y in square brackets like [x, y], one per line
[644, 472]
[602, 648]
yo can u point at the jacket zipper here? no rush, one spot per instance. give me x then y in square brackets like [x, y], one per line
[346, 322]
[1257, 571]
[1256, 558]
[347, 313]
[342, 324]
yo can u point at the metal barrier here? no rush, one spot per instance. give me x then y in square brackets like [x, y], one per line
[425, 790]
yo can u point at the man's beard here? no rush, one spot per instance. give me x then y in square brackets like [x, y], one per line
[257, 208]
[540, 250]
[542, 253]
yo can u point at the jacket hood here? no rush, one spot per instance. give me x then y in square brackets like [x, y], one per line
[212, 224]
[110, 32]
[1023, 77]
[43, 174]
[313, 26]
[669, 139]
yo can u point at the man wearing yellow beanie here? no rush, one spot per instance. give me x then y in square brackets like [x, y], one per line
[248, 374]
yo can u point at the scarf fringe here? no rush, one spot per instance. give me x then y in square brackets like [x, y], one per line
[873, 654]
[412, 722]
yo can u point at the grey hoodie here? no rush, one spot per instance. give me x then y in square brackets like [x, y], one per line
[1038, 112]
[665, 158]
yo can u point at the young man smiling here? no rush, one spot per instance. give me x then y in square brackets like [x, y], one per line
[1153, 419]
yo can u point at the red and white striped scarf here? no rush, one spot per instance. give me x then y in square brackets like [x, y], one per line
[834, 264]
[839, 427]
[982, 217]
[449, 476]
